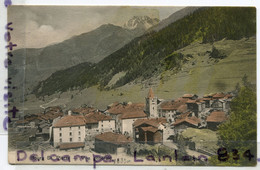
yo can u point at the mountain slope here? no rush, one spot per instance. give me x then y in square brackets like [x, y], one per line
[34, 65]
[200, 75]
[174, 17]
[152, 54]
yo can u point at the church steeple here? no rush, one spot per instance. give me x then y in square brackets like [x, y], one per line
[151, 104]
[150, 94]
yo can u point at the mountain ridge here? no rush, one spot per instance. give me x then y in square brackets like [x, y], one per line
[39, 63]
[154, 52]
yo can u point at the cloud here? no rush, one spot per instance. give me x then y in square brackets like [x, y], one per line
[39, 26]
[45, 28]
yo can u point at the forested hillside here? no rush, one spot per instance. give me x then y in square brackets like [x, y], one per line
[153, 53]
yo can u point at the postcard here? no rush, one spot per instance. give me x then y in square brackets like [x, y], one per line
[131, 85]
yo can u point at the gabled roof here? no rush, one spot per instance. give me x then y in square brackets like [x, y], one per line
[120, 108]
[155, 122]
[72, 145]
[95, 117]
[114, 138]
[131, 115]
[217, 116]
[186, 117]
[219, 95]
[68, 121]
[150, 94]
[84, 110]
[178, 104]
[149, 129]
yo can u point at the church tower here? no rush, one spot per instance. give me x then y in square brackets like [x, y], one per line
[151, 104]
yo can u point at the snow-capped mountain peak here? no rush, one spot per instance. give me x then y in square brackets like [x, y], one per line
[141, 22]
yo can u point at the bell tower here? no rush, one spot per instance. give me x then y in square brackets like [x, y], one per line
[151, 104]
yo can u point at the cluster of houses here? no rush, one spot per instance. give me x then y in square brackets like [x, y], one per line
[111, 130]
[156, 121]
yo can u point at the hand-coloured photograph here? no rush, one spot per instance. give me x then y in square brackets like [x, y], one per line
[132, 85]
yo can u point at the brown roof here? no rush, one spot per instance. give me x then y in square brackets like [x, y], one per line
[120, 108]
[201, 100]
[188, 95]
[95, 117]
[182, 108]
[155, 122]
[72, 145]
[219, 95]
[174, 105]
[114, 138]
[209, 95]
[67, 121]
[217, 116]
[150, 93]
[186, 117]
[150, 129]
[229, 96]
[191, 101]
[21, 121]
[84, 110]
[50, 115]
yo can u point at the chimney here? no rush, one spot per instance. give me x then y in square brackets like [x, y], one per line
[69, 112]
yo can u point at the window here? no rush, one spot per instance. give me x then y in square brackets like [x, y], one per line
[79, 139]
[79, 132]
[70, 133]
[79, 127]
[60, 140]
[60, 134]
[70, 139]
[101, 125]
[60, 129]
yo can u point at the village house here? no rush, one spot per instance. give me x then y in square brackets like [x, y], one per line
[125, 115]
[69, 131]
[97, 123]
[215, 118]
[150, 130]
[170, 109]
[198, 107]
[186, 120]
[110, 142]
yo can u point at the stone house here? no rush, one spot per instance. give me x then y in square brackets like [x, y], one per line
[97, 123]
[196, 106]
[112, 143]
[170, 109]
[216, 118]
[125, 114]
[186, 120]
[149, 130]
